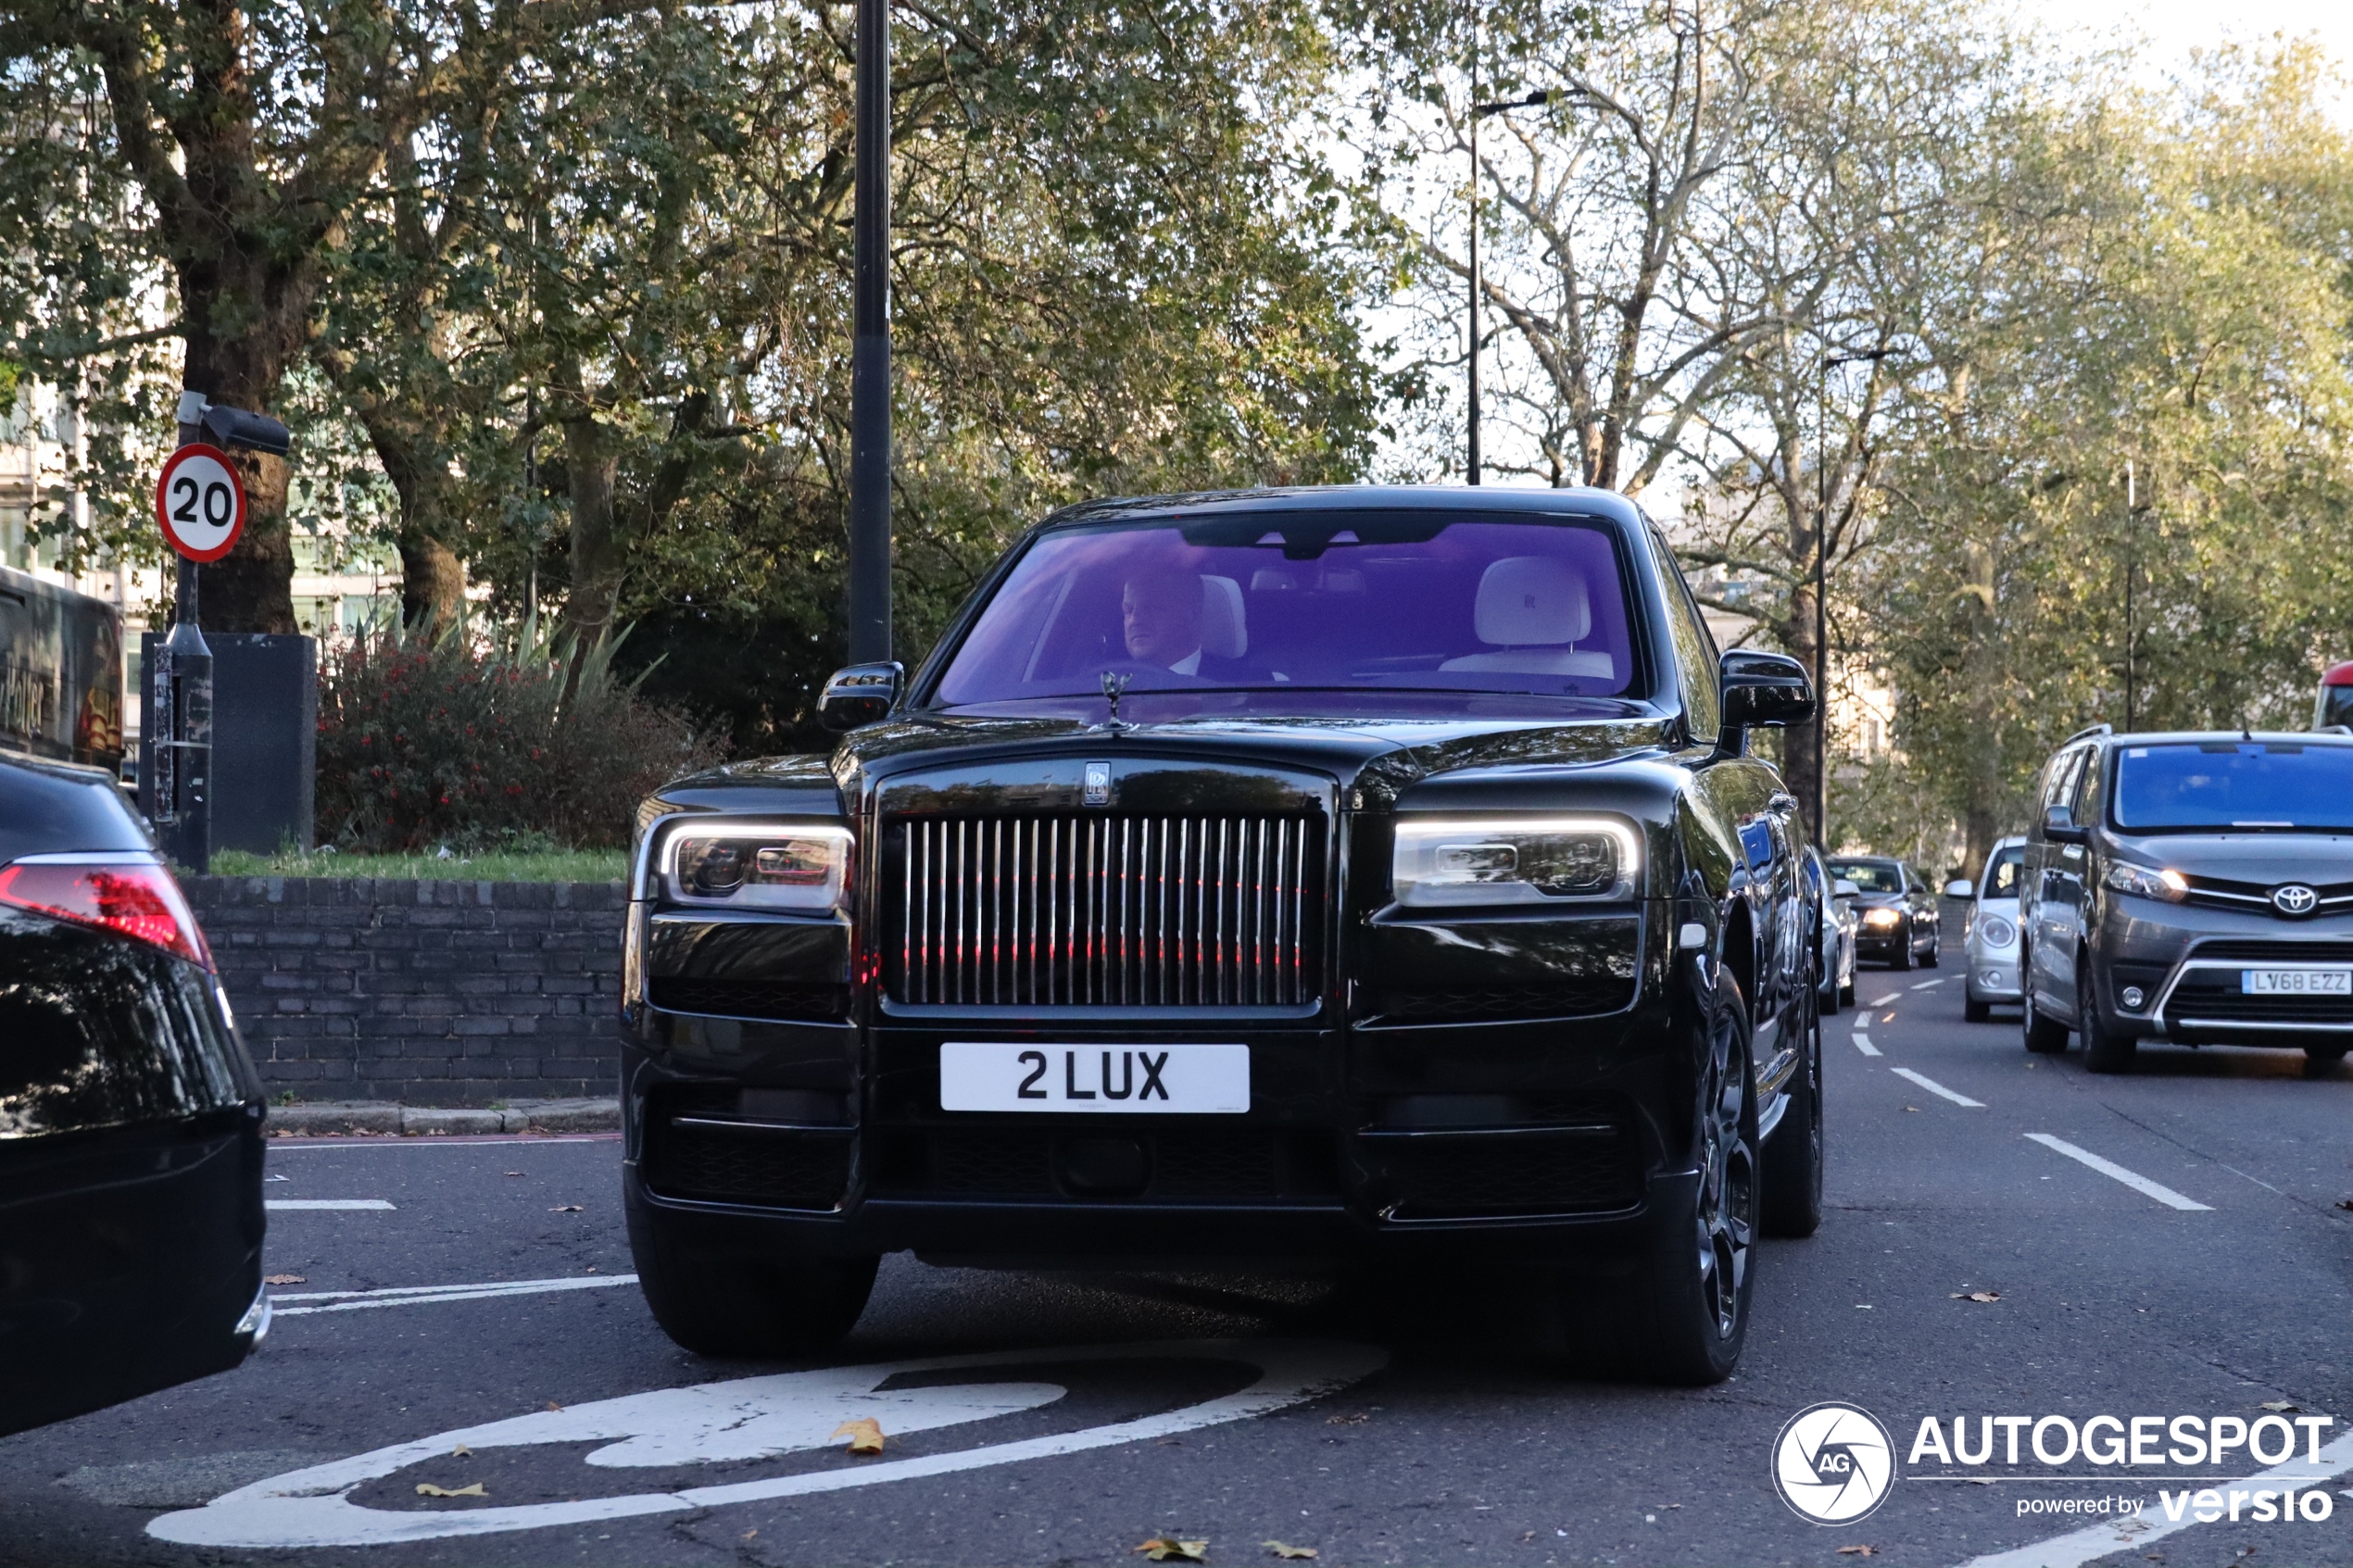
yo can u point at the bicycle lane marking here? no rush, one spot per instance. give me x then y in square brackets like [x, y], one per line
[749, 1418]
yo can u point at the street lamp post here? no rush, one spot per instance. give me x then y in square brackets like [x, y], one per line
[1821, 583]
[1479, 112]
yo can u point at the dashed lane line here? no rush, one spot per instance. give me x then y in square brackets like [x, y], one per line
[1930, 984]
[1932, 1087]
[422, 1294]
[2132, 1179]
[1891, 996]
[370, 1203]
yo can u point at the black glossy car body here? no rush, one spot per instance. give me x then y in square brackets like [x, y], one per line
[1528, 1083]
[2117, 966]
[1899, 920]
[131, 1211]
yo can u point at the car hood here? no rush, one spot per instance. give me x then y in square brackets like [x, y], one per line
[1876, 900]
[1381, 756]
[2266, 857]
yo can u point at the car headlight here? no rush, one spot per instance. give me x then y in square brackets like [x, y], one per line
[1995, 932]
[1882, 918]
[2145, 882]
[1526, 860]
[752, 867]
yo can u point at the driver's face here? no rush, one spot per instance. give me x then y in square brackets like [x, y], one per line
[1160, 617]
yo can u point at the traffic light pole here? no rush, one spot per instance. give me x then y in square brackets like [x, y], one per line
[178, 717]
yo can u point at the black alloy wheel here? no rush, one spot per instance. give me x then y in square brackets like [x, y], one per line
[1701, 1275]
[1791, 1201]
[2105, 1050]
[729, 1305]
[2045, 1036]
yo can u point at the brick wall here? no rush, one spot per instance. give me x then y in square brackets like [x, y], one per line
[430, 993]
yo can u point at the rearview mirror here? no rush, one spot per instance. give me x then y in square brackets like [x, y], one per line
[1960, 888]
[1842, 888]
[2058, 825]
[859, 694]
[1763, 691]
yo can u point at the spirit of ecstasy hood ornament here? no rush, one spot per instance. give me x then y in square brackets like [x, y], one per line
[1114, 688]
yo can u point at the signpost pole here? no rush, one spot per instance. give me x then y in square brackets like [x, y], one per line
[181, 708]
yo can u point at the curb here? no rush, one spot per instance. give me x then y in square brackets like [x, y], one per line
[339, 1119]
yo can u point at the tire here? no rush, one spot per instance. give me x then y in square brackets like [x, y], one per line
[2325, 1055]
[726, 1305]
[1903, 959]
[2045, 1036]
[1936, 949]
[1826, 993]
[1846, 994]
[1975, 1010]
[1692, 1292]
[2104, 1050]
[1790, 1192]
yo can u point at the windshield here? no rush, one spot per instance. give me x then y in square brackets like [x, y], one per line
[1871, 877]
[1396, 602]
[2001, 873]
[2203, 785]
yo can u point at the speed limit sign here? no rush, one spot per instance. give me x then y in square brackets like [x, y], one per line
[201, 502]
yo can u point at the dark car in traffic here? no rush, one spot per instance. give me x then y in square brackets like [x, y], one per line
[2195, 888]
[1899, 923]
[1327, 875]
[131, 1211]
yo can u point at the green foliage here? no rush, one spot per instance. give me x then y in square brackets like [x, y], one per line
[499, 865]
[486, 745]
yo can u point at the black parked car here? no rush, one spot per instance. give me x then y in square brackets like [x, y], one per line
[130, 1213]
[2196, 888]
[1899, 920]
[1371, 874]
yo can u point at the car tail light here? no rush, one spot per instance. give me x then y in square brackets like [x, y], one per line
[134, 898]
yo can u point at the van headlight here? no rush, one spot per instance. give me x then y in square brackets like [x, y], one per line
[1457, 862]
[805, 870]
[2143, 882]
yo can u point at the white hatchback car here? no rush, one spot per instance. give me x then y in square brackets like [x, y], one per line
[1992, 933]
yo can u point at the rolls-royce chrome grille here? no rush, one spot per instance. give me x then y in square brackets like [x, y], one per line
[1103, 909]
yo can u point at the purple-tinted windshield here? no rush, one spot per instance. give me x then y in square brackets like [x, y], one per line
[1398, 602]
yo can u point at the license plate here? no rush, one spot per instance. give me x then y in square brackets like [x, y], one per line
[1158, 1080]
[2296, 982]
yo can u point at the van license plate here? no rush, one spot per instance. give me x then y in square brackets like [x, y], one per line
[1158, 1080]
[2296, 982]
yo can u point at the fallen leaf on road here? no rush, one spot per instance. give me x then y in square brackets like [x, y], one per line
[1912, 1108]
[1162, 1548]
[553, 1406]
[461, 1451]
[514, 1173]
[1353, 1418]
[2345, 1203]
[1279, 1549]
[1859, 1551]
[865, 1434]
[284, 1279]
[565, 1208]
[427, 1489]
[1977, 1295]
[2283, 1406]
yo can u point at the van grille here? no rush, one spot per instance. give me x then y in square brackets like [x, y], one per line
[1105, 910]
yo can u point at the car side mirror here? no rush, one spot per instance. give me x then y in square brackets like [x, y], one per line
[1960, 888]
[1763, 691]
[1842, 888]
[859, 694]
[2058, 825]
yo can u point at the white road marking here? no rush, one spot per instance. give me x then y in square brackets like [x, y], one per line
[1891, 996]
[420, 1295]
[749, 1418]
[1930, 984]
[371, 1203]
[2095, 1541]
[1863, 1044]
[1932, 1087]
[2138, 1183]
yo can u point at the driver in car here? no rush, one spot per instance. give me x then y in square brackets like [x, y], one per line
[1160, 612]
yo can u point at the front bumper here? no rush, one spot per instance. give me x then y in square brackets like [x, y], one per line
[2185, 960]
[1992, 976]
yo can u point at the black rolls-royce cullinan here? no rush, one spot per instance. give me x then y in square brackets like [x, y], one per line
[1363, 875]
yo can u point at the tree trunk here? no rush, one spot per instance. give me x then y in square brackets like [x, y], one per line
[591, 462]
[1797, 741]
[433, 577]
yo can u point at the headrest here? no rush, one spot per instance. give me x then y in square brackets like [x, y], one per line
[1532, 600]
[1225, 634]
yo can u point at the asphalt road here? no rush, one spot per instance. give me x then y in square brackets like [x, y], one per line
[1419, 1423]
